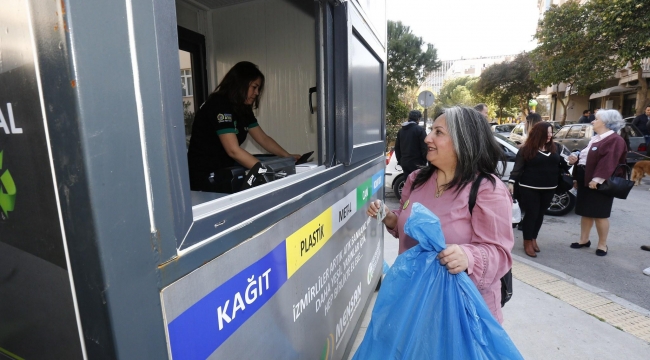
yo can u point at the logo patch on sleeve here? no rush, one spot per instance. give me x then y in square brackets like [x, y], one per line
[224, 118]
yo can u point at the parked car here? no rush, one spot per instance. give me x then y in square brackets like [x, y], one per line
[503, 129]
[520, 132]
[560, 205]
[577, 136]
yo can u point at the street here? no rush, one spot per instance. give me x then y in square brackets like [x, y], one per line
[620, 272]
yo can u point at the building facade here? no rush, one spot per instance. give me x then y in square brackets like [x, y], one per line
[452, 69]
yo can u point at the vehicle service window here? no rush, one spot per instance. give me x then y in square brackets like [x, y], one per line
[562, 133]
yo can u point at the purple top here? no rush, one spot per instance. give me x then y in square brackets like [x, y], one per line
[485, 235]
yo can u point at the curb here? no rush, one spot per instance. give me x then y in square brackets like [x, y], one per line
[593, 289]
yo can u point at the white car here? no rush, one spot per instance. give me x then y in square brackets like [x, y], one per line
[395, 179]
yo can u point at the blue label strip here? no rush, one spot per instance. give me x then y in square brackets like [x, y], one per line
[201, 329]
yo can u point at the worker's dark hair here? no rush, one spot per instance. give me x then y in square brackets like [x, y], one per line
[236, 82]
[584, 112]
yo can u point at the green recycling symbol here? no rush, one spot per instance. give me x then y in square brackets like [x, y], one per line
[7, 190]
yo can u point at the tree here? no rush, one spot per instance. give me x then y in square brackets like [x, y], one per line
[566, 53]
[407, 66]
[458, 91]
[622, 31]
[509, 82]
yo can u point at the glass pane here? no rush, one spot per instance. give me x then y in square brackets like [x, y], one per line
[562, 133]
[187, 92]
[367, 87]
[574, 132]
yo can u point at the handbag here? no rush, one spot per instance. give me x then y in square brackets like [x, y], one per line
[618, 187]
[565, 180]
[565, 183]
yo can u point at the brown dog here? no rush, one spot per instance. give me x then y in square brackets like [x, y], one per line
[640, 169]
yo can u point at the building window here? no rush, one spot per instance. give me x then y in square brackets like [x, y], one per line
[186, 82]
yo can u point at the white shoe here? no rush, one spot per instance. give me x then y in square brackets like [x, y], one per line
[646, 271]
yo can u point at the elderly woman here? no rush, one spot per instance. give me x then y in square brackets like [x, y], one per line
[460, 147]
[596, 163]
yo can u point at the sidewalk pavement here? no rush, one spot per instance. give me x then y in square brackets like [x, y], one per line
[562, 320]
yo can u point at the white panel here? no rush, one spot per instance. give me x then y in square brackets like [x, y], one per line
[187, 16]
[280, 39]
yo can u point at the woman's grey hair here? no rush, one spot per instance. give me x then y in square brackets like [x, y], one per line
[612, 119]
[476, 149]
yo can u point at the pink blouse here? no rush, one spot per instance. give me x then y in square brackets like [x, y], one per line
[485, 235]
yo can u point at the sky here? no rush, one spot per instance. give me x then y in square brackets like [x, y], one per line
[469, 28]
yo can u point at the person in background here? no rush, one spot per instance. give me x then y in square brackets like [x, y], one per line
[459, 148]
[641, 122]
[531, 120]
[222, 124]
[410, 149]
[483, 109]
[584, 119]
[536, 171]
[592, 117]
[594, 164]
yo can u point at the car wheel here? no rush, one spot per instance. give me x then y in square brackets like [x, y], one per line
[561, 204]
[398, 185]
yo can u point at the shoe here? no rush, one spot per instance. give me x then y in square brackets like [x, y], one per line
[528, 248]
[535, 247]
[646, 271]
[645, 247]
[520, 227]
[602, 252]
[576, 245]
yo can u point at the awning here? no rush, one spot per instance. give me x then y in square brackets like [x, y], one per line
[609, 91]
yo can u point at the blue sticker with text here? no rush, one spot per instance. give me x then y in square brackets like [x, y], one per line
[377, 181]
[201, 329]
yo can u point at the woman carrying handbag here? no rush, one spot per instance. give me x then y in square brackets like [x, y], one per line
[594, 165]
[538, 168]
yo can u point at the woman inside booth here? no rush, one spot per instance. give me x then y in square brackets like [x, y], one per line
[222, 124]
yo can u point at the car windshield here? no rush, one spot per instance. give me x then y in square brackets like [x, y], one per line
[505, 139]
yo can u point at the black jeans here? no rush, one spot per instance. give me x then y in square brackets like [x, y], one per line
[534, 202]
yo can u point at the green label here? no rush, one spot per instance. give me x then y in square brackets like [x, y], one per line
[7, 190]
[364, 191]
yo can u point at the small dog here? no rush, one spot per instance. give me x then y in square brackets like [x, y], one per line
[640, 169]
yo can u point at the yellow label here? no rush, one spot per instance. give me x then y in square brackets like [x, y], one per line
[305, 243]
[406, 204]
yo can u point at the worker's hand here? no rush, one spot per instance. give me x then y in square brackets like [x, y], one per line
[454, 258]
[511, 188]
[373, 209]
[593, 185]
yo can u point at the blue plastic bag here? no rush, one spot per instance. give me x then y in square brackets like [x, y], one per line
[424, 312]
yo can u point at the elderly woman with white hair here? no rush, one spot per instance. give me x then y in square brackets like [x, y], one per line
[594, 164]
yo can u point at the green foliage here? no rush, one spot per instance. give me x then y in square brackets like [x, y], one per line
[407, 63]
[567, 53]
[458, 91]
[407, 67]
[622, 29]
[509, 83]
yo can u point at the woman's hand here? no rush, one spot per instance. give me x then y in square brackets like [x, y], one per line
[572, 159]
[373, 209]
[575, 184]
[511, 188]
[454, 258]
[296, 157]
[593, 184]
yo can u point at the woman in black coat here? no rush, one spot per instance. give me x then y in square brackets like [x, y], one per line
[537, 170]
